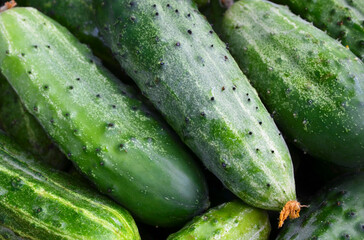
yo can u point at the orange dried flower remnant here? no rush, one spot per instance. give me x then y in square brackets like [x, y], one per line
[292, 210]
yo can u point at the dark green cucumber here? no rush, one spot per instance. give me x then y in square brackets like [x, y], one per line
[202, 3]
[185, 70]
[37, 202]
[78, 17]
[233, 221]
[312, 85]
[341, 19]
[25, 130]
[337, 212]
[109, 135]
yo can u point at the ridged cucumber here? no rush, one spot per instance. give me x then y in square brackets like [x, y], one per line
[232, 220]
[341, 19]
[311, 84]
[40, 203]
[337, 212]
[25, 130]
[110, 136]
[185, 70]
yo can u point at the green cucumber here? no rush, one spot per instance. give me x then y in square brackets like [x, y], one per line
[78, 19]
[341, 19]
[38, 202]
[311, 84]
[25, 130]
[185, 70]
[232, 220]
[110, 136]
[336, 212]
[202, 3]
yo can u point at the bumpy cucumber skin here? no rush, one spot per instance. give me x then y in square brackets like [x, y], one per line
[38, 202]
[233, 221]
[337, 212]
[78, 17]
[110, 136]
[342, 19]
[311, 84]
[185, 70]
[25, 130]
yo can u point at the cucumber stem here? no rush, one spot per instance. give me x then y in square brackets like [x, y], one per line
[8, 5]
[291, 209]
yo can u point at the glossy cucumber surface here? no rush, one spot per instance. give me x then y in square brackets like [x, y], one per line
[25, 130]
[232, 220]
[341, 19]
[312, 85]
[185, 70]
[37, 202]
[78, 16]
[110, 136]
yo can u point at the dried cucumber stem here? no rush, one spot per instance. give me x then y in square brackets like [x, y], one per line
[291, 209]
[8, 5]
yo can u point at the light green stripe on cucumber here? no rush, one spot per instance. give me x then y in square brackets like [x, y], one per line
[38, 202]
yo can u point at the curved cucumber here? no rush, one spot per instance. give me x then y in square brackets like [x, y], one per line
[233, 221]
[311, 84]
[341, 19]
[337, 212]
[25, 130]
[110, 136]
[40, 203]
[185, 70]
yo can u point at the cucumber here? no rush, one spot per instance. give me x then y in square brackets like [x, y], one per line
[311, 84]
[79, 19]
[185, 70]
[341, 19]
[232, 220]
[25, 130]
[38, 202]
[111, 137]
[336, 212]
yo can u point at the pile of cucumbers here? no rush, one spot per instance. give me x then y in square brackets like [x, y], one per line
[181, 119]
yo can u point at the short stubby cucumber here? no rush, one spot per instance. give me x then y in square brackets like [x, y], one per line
[312, 85]
[111, 137]
[25, 130]
[37, 202]
[337, 212]
[185, 70]
[341, 19]
[232, 220]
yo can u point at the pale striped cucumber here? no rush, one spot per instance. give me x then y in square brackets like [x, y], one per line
[230, 221]
[37, 202]
[313, 86]
[25, 130]
[185, 70]
[110, 136]
[341, 19]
